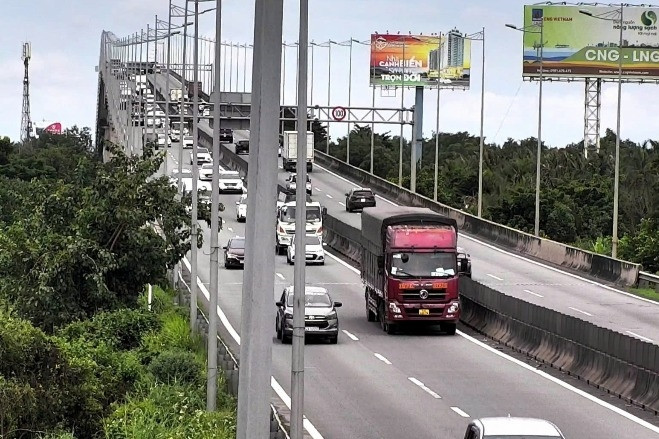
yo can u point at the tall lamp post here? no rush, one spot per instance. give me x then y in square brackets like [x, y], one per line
[526, 30]
[616, 179]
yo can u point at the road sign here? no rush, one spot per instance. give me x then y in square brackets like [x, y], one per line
[339, 113]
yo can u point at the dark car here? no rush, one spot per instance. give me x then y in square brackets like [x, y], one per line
[242, 147]
[234, 253]
[226, 135]
[320, 318]
[464, 262]
[359, 198]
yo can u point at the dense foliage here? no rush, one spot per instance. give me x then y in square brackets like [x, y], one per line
[576, 200]
[75, 232]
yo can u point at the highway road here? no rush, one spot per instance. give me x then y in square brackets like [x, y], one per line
[519, 277]
[372, 385]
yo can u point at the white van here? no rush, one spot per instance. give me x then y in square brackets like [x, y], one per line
[286, 223]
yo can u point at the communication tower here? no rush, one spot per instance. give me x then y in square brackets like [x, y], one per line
[26, 123]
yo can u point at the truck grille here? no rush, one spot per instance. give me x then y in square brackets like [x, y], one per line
[415, 295]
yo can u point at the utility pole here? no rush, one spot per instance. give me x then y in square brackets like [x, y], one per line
[211, 379]
[258, 320]
[195, 172]
[299, 282]
[26, 122]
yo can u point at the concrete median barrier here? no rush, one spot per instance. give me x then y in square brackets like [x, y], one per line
[552, 252]
[611, 361]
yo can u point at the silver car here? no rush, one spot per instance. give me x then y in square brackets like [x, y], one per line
[320, 318]
[512, 428]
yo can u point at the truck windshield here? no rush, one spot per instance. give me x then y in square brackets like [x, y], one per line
[436, 264]
[288, 214]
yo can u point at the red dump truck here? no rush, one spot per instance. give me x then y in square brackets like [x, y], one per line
[409, 267]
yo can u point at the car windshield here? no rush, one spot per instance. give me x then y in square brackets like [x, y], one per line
[362, 194]
[438, 264]
[313, 300]
[202, 150]
[207, 166]
[288, 214]
[229, 175]
[237, 243]
[310, 240]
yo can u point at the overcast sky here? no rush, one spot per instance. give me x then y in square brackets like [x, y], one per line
[65, 37]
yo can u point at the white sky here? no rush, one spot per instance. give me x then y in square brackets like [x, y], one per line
[65, 37]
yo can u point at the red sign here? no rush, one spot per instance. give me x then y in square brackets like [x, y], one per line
[54, 128]
[339, 113]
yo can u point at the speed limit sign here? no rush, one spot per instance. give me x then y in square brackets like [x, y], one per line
[339, 113]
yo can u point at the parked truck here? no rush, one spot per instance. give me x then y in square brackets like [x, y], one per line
[289, 151]
[409, 267]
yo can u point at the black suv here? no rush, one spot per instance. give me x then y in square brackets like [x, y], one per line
[234, 253]
[226, 135]
[359, 198]
[242, 147]
[464, 262]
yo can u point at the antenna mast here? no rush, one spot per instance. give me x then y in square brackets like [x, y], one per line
[26, 122]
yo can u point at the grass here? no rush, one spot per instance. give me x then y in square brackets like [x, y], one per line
[648, 293]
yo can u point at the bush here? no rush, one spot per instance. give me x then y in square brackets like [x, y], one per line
[174, 334]
[177, 367]
[122, 329]
[171, 412]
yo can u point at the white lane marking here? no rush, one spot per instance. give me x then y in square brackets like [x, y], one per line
[318, 189]
[493, 276]
[649, 340]
[460, 412]
[582, 312]
[425, 389]
[280, 276]
[273, 382]
[342, 203]
[350, 335]
[534, 294]
[382, 358]
[539, 264]
[545, 375]
[329, 196]
[563, 384]
[230, 229]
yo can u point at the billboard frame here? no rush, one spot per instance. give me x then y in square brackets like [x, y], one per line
[603, 79]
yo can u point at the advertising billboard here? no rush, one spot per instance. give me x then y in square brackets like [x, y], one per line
[419, 60]
[578, 45]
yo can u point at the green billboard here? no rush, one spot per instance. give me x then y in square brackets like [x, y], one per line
[584, 42]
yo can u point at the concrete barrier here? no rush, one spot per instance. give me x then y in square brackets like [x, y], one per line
[545, 250]
[611, 361]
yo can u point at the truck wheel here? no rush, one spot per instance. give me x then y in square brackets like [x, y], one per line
[449, 328]
[386, 327]
[309, 167]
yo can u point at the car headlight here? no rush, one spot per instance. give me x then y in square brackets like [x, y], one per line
[331, 315]
[455, 306]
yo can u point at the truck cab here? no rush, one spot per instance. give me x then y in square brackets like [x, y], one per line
[410, 268]
[286, 223]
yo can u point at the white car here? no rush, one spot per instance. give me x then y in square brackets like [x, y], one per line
[241, 209]
[230, 181]
[174, 135]
[203, 156]
[509, 427]
[206, 172]
[291, 183]
[314, 252]
[188, 142]
[163, 140]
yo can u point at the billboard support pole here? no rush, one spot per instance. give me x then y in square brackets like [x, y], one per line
[592, 110]
[616, 184]
[373, 133]
[482, 139]
[417, 144]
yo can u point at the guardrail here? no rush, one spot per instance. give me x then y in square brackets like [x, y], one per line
[552, 252]
[648, 280]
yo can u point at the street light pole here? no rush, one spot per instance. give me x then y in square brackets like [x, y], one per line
[482, 140]
[167, 103]
[195, 168]
[537, 168]
[299, 285]
[180, 139]
[439, 86]
[616, 181]
[329, 88]
[349, 102]
[211, 379]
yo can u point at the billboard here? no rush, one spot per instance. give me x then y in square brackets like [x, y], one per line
[419, 60]
[576, 45]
